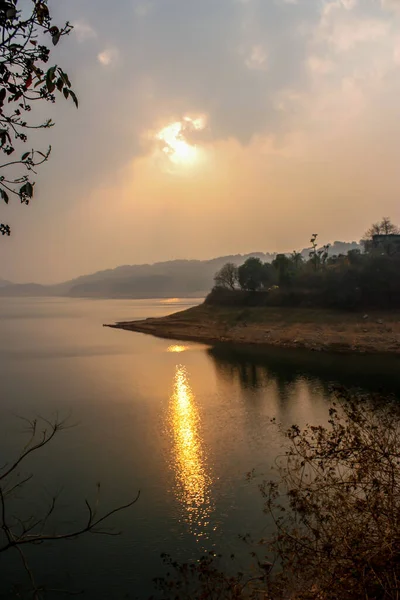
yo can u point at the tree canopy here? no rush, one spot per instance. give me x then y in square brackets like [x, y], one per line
[357, 279]
[383, 227]
[253, 274]
[227, 276]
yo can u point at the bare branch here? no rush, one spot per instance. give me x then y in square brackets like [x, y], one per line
[45, 439]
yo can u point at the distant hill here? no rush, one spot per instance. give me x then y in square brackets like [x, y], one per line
[26, 289]
[172, 278]
[4, 282]
[336, 248]
[175, 278]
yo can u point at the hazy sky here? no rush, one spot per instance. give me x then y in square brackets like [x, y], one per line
[209, 127]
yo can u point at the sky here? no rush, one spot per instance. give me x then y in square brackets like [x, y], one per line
[212, 127]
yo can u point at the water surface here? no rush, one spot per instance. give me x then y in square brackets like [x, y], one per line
[181, 422]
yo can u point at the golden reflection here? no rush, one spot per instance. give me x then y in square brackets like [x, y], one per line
[169, 301]
[189, 460]
[177, 348]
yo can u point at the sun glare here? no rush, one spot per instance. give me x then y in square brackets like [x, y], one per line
[174, 142]
[177, 349]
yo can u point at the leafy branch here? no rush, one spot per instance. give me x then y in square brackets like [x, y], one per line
[25, 79]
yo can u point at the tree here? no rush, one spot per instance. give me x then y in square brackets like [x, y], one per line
[384, 227]
[17, 533]
[284, 267]
[227, 276]
[297, 259]
[354, 257]
[254, 274]
[318, 256]
[24, 80]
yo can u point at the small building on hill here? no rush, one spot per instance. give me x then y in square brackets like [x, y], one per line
[387, 243]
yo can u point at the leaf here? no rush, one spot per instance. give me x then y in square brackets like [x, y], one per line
[26, 191]
[25, 156]
[65, 78]
[11, 13]
[42, 12]
[56, 38]
[4, 195]
[66, 93]
[60, 84]
[3, 93]
[4, 136]
[74, 98]
[50, 75]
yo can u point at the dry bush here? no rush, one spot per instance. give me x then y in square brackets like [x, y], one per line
[336, 505]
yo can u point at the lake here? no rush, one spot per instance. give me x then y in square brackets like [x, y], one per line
[181, 422]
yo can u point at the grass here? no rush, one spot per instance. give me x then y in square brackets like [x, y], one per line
[287, 315]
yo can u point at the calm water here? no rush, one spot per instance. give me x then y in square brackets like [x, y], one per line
[183, 423]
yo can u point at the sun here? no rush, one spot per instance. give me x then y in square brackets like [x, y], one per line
[175, 147]
[174, 143]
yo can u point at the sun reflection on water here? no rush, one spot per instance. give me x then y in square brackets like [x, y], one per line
[177, 348]
[189, 460]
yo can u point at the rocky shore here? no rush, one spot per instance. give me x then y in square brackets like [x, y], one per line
[318, 330]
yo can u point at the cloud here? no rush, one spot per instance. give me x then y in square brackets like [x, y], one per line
[142, 9]
[319, 65]
[108, 57]
[332, 6]
[302, 113]
[201, 57]
[257, 59]
[345, 36]
[343, 27]
[84, 31]
[391, 4]
[396, 51]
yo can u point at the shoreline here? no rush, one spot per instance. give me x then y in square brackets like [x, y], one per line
[308, 329]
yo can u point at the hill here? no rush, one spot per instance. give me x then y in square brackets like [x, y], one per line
[175, 278]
